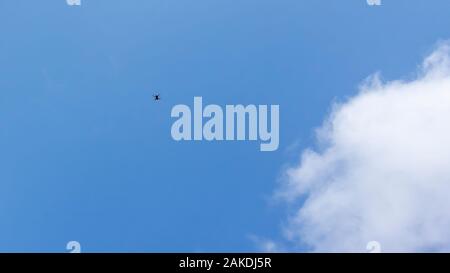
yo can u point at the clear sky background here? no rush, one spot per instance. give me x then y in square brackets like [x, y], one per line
[87, 155]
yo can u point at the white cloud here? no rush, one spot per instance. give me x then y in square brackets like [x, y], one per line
[383, 170]
[265, 245]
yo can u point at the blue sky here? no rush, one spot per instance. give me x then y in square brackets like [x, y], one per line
[86, 155]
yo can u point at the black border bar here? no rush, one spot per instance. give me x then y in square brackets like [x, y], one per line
[223, 262]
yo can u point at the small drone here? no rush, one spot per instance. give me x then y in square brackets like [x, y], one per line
[156, 97]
